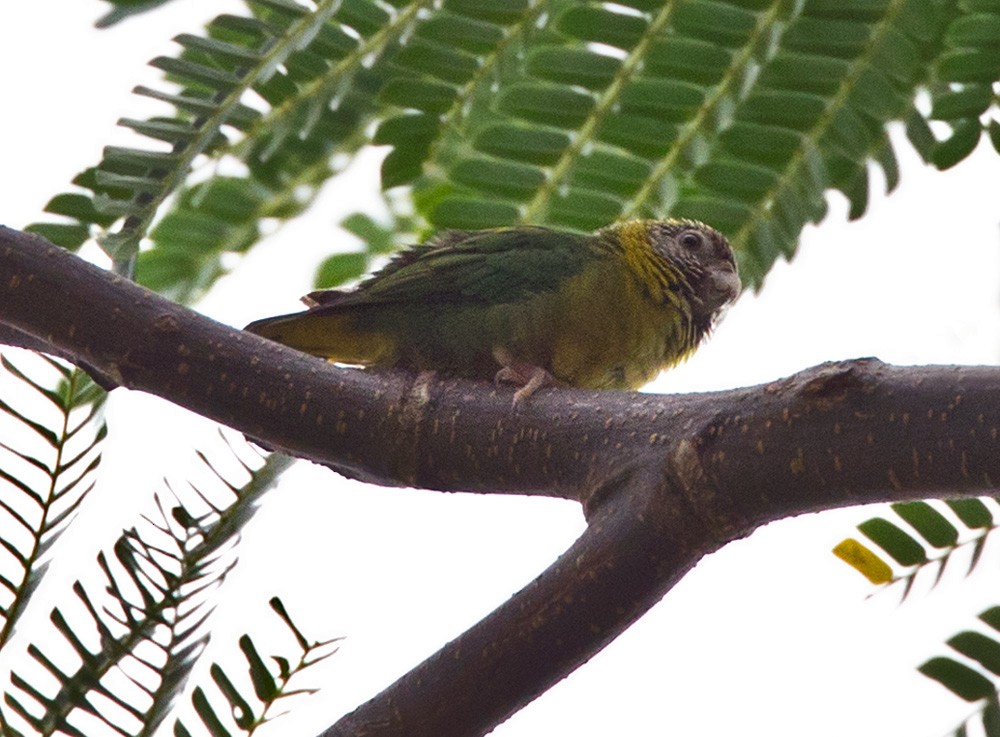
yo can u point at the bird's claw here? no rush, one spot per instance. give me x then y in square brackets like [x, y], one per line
[507, 375]
[528, 377]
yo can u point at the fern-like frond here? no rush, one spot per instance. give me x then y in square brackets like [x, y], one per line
[280, 91]
[742, 113]
[797, 149]
[270, 684]
[970, 674]
[215, 74]
[454, 52]
[148, 615]
[922, 539]
[139, 630]
[318, 104]
[50, 446]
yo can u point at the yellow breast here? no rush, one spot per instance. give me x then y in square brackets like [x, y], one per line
[616, 332]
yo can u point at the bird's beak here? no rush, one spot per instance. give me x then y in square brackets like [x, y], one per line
[726, 284]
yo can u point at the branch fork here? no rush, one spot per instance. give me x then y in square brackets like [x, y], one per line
[663, 480]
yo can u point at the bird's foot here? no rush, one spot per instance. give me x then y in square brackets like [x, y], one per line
[527, 376]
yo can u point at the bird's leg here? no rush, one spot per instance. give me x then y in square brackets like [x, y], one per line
[527, 376]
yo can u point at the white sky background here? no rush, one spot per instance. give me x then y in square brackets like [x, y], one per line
[771, 634]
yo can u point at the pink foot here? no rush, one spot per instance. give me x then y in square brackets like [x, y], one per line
[529, 377]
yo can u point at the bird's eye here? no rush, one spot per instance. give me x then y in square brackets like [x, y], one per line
[690, 240]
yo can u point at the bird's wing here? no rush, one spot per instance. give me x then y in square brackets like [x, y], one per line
[494, 266]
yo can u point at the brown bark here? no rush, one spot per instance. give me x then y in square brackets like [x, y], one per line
[663, 479]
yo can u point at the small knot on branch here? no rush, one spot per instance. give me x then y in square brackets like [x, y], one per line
[830, 383]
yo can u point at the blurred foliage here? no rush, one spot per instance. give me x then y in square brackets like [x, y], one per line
[742, 113]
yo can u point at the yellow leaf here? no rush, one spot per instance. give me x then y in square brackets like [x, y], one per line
[863, 560]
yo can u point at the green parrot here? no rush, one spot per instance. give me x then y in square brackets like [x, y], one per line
[529, 305]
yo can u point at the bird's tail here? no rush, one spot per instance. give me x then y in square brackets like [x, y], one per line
[333, 335]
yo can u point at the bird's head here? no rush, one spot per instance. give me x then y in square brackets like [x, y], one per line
[704, 257]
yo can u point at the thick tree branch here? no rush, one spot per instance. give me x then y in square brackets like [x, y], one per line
[663, 479]
[635, 548]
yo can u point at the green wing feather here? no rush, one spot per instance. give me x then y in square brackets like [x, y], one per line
[393, 317]
[492, 267]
